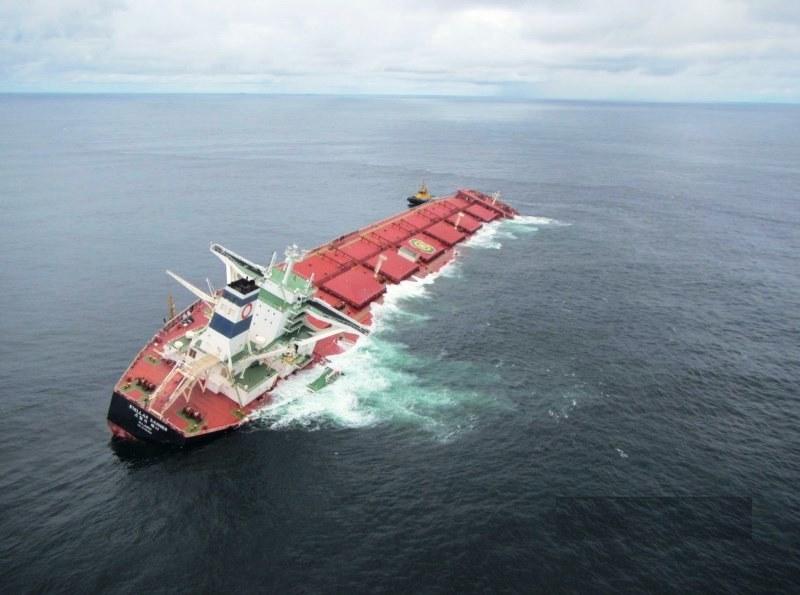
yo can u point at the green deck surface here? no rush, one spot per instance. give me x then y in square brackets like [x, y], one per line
[137, 393]
[254, 375]
[294, 283]
[192, 425]
[327, 377]
[183, 340]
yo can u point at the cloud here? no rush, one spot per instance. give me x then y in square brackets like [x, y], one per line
[670, 50]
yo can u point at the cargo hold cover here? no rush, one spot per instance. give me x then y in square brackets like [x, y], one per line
[356, 286]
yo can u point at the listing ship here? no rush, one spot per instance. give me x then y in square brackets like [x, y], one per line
[214, 364]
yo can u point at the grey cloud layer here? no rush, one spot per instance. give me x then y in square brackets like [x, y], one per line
[715, 49]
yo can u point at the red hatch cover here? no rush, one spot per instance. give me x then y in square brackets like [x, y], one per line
[472, 195]
[429, 212]
[426, 247]
[391, 233]
[394, 267]
[357, 286]
[321, 267]
[338, 256]
[482, 213]
[417, 220]
[360, 250]
[497, 207]
[467, 222]
[446, 233]
[488, 202]
[377, 240]
[441, 209]
[331, 299]
[404, 225]
[459, 202]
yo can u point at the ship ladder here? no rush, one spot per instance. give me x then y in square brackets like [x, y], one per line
[191, 374]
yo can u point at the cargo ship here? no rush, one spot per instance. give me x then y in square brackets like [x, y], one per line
[213, 365]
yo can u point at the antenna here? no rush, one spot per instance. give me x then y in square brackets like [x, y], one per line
[293, 254]
[381, 259]
[211, 289]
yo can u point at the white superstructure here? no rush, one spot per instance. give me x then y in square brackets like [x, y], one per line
[257, 332]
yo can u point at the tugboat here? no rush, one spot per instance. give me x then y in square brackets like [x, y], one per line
[420, 198]
[212, 366]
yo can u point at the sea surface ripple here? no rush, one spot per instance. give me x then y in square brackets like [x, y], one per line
[599, 397]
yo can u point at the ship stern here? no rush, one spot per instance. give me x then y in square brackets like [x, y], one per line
[128, 421]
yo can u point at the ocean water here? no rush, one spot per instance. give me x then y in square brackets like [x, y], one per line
[600, 397]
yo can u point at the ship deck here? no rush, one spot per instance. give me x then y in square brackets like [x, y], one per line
[344, 275]
[217, 411]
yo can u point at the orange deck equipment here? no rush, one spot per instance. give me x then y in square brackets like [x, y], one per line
[320, 266]
[394, 267]
[446, 233]
[357, 286]
[361, 249]
[466, 222]
[482, 213]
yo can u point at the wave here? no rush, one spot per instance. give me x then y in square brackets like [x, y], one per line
[382, 380]
[485, 237]
[378, 382]
[534, 220]
[490, 236]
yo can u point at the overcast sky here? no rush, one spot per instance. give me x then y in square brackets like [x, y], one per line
[705, 50]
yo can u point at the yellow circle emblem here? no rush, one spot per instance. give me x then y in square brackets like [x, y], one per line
[422, 246]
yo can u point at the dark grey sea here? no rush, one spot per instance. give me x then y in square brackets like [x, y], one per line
[601, 397]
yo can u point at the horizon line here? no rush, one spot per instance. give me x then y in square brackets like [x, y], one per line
[509, 98]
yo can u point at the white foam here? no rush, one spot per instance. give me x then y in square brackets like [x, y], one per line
[295, 406]
[533, 220]
[485, 237]
[410, 289]
[375, 385]
[368, 368]
[490, 235]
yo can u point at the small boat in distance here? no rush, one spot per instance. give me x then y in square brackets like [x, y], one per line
[421, 197]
